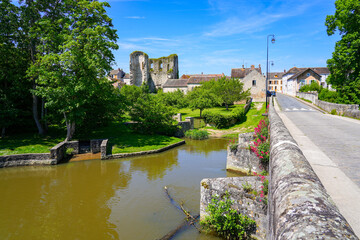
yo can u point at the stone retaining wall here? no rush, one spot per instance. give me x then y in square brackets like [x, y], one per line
[247, 105]
[95, 145]
[349, 110]
[185, 126]
[123, 155]
[74, 145]
[59, 150]
[299, 206]
[26, 160]
[245, 203]
[242, 159]
[104, 148]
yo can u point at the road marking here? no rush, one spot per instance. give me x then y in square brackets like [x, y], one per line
[295, 109]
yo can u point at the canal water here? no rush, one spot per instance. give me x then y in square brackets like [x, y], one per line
[112, 199]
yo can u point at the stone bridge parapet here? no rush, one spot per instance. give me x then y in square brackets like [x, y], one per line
[298, 204]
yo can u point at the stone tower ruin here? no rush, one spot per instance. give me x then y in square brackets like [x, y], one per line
[164, 68]
[139, 68]
[154, 71]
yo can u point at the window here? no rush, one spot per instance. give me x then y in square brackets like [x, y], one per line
[152, 65]
[276, 82]
[302, 83]
[308, 74]
[270, 82]
[254, 83]
[161, 65]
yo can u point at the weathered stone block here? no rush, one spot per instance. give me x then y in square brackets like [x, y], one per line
[244, 202]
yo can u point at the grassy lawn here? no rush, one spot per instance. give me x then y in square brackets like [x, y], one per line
[30, 143]
[124, 140]
[187, 112]
[253, 118]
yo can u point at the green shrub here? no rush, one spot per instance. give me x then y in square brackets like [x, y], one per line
[314, 86]
[333, 112]
[222, 120]
[328, 96]
[197, 134]
[69, 151]
[226, 221]
[247, 187]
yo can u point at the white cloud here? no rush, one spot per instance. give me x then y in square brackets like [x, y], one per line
[242, 18]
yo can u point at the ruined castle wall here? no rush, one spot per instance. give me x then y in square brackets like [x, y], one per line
[139, 68]
[164, 68]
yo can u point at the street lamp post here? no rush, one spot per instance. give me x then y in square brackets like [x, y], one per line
[267, 63]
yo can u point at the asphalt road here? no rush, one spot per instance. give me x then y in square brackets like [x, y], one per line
[337, 137]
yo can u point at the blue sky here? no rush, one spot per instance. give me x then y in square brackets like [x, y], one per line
[213, 36]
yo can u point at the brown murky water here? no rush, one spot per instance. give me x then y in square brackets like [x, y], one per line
[114, 199]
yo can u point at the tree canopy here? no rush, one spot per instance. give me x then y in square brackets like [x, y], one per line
[227, 91]
[344, 64]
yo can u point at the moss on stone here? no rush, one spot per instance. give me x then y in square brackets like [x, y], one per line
[168, 57]
[134, 52]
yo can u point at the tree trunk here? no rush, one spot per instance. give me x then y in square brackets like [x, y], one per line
[3, 132]
[36, 114]
[227, 107]
[70, 129]
[200, 112]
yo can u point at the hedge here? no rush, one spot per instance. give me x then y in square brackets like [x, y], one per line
[222, 121]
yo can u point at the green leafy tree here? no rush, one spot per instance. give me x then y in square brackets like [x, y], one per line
[344, 64]
[176, 99]
[201, 98]
[152, 116]
[227, 90]
[74, 56]
[14, 89]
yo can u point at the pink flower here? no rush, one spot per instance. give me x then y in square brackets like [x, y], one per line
[259, 200]
[255, 173]
[261, 195]
[261, 157]
[262, 186]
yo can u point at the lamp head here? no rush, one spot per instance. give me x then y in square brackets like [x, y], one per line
[273, 39]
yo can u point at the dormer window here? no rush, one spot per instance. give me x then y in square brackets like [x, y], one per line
[308, 74]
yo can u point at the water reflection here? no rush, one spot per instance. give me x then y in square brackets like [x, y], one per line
[206, 146]
[113, 199]
[59, 202]
[155, 166]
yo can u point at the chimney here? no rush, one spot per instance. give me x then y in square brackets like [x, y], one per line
[202, 73]
[252, 67]
[243, 66]
[284, 70]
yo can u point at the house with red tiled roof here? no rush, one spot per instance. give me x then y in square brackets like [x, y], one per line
[295, 77]
[253, 79]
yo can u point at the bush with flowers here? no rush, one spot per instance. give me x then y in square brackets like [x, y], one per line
[263, 188]
[261, 143]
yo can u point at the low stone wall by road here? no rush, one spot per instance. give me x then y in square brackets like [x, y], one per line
[349, 110]
[299, 206]
[123, 155]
